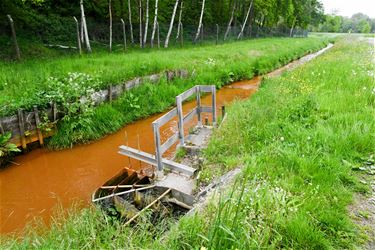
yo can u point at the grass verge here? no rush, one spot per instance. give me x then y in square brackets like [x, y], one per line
[299, 139]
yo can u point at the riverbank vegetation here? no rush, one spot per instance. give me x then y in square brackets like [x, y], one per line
[298, 141]
[46, 81]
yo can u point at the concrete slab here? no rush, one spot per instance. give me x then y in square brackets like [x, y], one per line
[179, 182]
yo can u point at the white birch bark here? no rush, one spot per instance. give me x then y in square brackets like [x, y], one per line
[245, 21]
[140, 25]
[78, 36]
[155, 23]
[130, 22]
[146, 25]
[86, 34]
[14, 36]
[230, 21]
[200, 22]
[124, 33]
[171, 25]
[179, 20]
[110, 24]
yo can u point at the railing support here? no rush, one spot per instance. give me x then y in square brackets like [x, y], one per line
[214, 105]
[180, 120]
[158, 155]
[198, 93]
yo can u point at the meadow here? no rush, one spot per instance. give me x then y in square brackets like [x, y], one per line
[297, 140]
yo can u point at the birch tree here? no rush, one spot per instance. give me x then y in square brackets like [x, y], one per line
[230, 21]
[146, 25]
[179, 20]
[245, 21]
[200, 22]
[130, 22]
[86, 35]
[110, 24]
[155, 23]
[140, 24]
[171, 25]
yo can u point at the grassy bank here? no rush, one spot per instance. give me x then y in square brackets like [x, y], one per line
[298, 140]
[211, 64]
[27, 83]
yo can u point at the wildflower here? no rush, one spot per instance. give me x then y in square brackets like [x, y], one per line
[282, 138]
[308, 138]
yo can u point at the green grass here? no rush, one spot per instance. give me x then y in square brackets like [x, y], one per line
[23, 84]
[212, 65]
[294, 139]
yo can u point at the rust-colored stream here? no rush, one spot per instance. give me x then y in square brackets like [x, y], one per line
[45, 178]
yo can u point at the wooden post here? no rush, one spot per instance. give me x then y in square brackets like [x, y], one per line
[206, 121]
[198, 98]
[158, 35]
[17, 48]
[223, 111]
[21, 125]
[158, 155]
[1, 129]
[214, 105]
[180, 120]
[124, 33]
[54, 111]
[37, 123]
[217, 34]
[78, 36]
[110, 93]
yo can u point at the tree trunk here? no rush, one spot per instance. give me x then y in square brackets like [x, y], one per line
[16, 47]
[292, 28]
[155, 23]
[158, 35]
[130, 22]
[146, 25]
[140, 24]
[217, 33]
[245, 21]
[171, 25]
[124, 33]
[86, 34]
[179, 21]
[78, 36]
[200, 23]
[110, 24]
[230, 21]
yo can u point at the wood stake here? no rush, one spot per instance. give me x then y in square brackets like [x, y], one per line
[78, 36]
[54, 111]
[110, 90]
[1, 128]
[21, 124]
[17, 48]
[124, 33]
[148, 206]
[37, 123]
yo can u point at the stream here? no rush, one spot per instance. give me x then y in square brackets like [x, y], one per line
[45, 179]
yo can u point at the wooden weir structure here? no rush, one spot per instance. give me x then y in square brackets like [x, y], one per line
[157, 160]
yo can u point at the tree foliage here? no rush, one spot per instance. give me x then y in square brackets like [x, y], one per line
[358, 23]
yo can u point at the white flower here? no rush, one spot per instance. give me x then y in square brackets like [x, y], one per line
[282, 138]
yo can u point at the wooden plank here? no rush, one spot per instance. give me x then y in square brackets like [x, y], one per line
[150, 159]
[206, 88]
[205, 109]
[187, 93]
[214, 105]
[171, 140]
[167, 117]
[21, 124]
[180, 120]
[191, 115]
[37, 123]
[158, 153]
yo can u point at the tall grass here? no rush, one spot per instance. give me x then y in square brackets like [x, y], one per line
[294, 139]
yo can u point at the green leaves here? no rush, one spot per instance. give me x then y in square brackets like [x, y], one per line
[5, 147]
